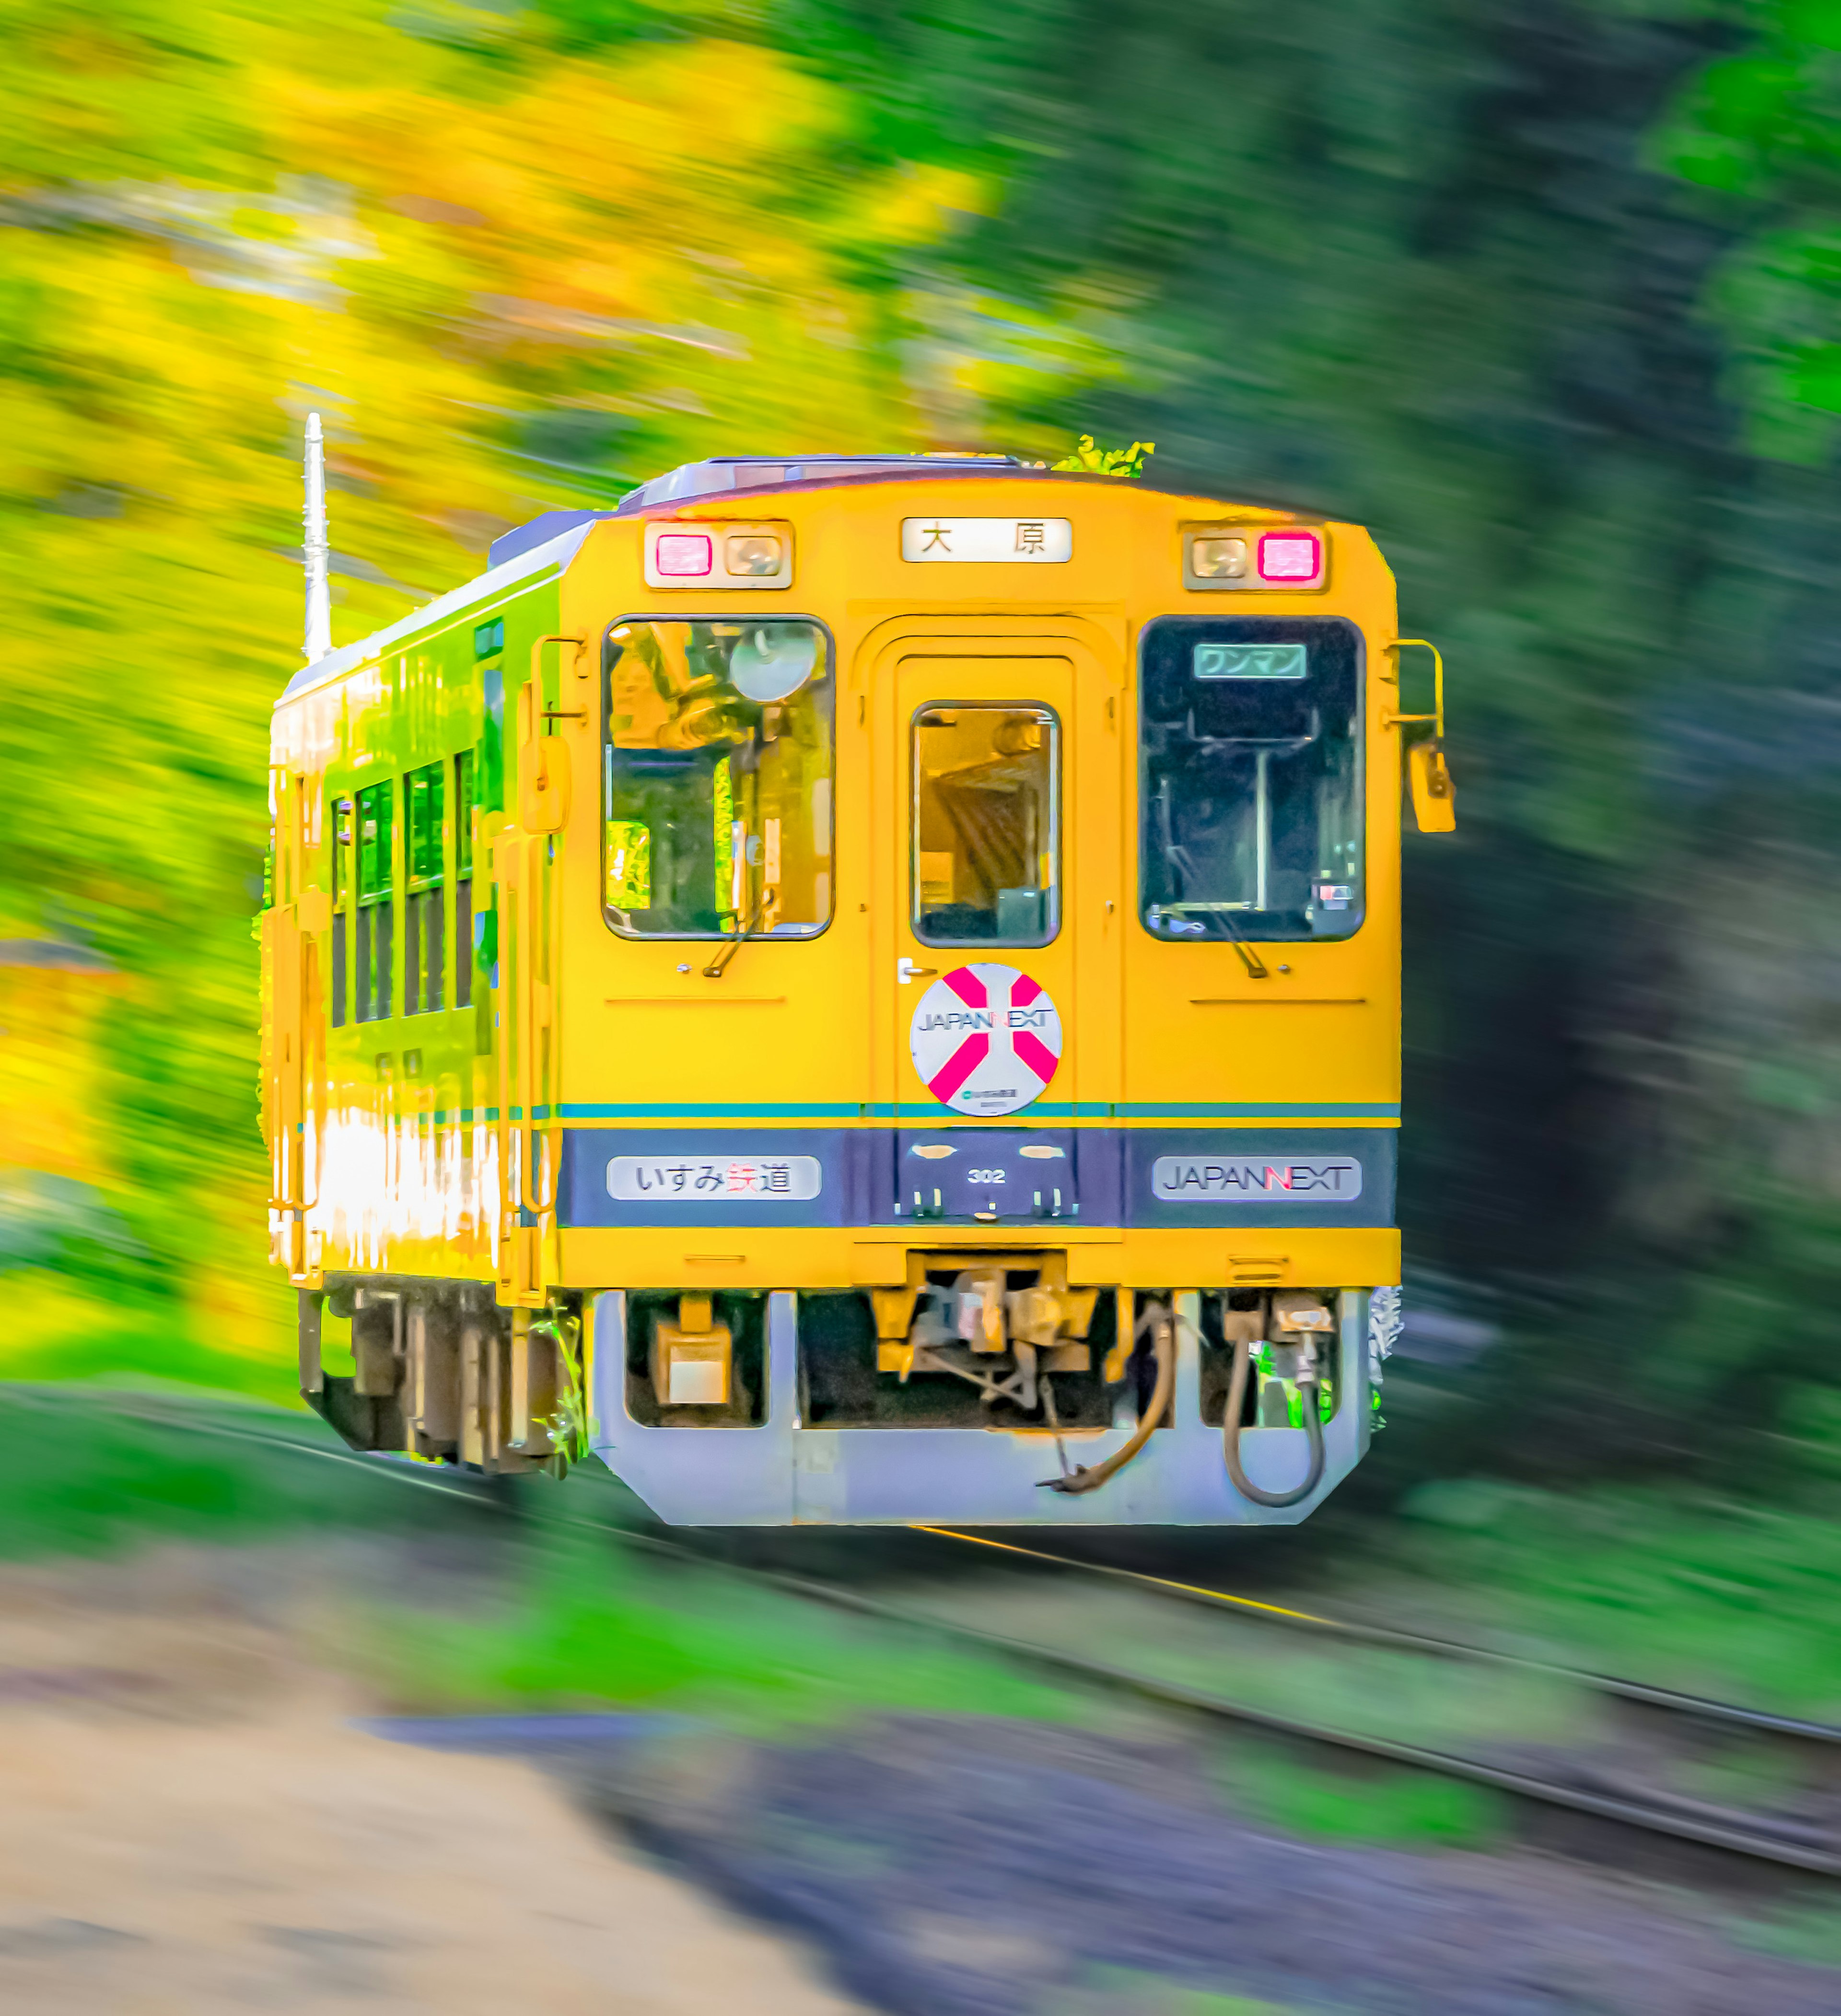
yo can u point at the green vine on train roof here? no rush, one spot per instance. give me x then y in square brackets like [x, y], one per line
[1092, 461]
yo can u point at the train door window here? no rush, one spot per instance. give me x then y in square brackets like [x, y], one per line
[492, 738]
[463, 878]
[1249, 778]
[717, 781]
[339, 819]
[424, 791]
[376, 893]
[986, 838]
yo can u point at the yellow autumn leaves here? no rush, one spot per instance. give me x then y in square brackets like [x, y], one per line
[511, 274]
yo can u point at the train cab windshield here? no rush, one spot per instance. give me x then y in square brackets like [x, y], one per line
[718, 778]
[1250, 778]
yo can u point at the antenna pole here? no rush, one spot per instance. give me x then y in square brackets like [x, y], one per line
[319, 605]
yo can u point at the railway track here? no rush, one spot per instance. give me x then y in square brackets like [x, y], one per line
[1700, 1707]
[1785, 1843]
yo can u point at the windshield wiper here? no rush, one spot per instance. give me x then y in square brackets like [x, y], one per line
[1182, 869]
[719, 965]
[1256, 967]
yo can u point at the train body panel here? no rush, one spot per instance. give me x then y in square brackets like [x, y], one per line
[899, 990]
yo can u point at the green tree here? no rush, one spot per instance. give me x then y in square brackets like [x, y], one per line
[1757, 128]
[1439, 268]
[513, 270]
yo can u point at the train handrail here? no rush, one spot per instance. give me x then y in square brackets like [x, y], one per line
[1436, 717]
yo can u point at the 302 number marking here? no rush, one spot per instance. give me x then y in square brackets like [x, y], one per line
[986, 1176]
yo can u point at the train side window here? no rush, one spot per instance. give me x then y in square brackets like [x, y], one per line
[717, 816]
[339, 819]
[424, 791]
[376, 893]
[1249, 778]
[986, 833]
[463, 878]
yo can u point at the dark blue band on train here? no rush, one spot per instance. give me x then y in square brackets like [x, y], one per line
[961, 1176]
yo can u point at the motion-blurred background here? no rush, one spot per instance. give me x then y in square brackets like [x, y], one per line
[1548, 295]
[1546, 292]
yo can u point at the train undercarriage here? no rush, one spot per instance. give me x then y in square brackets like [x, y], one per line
[984, 1389]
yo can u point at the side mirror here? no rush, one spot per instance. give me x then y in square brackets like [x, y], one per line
[1435, 804]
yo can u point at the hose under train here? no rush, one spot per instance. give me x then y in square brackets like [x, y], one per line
[1161, 1323]
[1230, 1437]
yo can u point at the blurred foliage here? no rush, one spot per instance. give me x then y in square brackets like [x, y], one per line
[591, 1623]
[1397, 1807]
[1128, 1991]
[1378, 1691]
[1546, 293]
[1760, 127]
[1719, 1596]
[1086, 459]
[511, 274]
[81, 1479]
[1808, 1931]
[1423, 265]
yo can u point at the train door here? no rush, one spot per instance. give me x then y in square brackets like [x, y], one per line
[524, 873]
[297, 1081]
[1001, 783]
[522, 1001]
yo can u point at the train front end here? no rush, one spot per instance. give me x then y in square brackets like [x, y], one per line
[961, 1081]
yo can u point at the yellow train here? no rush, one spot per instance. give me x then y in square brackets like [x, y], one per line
[862, 989]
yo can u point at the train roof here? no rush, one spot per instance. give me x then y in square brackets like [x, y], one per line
[552, 538]
[722, 475]
[758, 471]
[555, 552]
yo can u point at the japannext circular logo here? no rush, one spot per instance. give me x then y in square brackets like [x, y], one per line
[985, 1038]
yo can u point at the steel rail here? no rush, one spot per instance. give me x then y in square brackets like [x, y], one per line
[1748, 1836]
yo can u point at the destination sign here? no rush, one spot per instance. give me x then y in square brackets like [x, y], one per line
[986, 540]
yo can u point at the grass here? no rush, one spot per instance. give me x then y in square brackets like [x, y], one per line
[1809, 1931]
[567, 1618]
[1369, 1690]
[1377, 1806]
[590, 1624]
[1727, 1598]
[1713, 1595]
[80, 1478]
[1113, 1991]
[1744, 1774]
